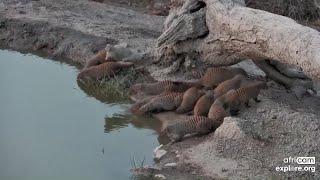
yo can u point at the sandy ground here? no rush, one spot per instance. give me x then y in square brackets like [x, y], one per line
[248, 146]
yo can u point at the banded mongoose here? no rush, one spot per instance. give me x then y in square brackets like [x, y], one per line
[190, 98]
[203, 104]
[229, 84]
[168, 102]
[217, 111]
[107, 69]
[97, 59]
[235, 98]
[194, 124]
[162, 86]
[137, 105]
[214, 76]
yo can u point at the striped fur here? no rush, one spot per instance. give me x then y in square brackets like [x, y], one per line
[107, 69]
[214, 76]
[136, 106]
[235, 98]
[168, 102]
[97, 59]
[193, 124]
[229, 84]
[217, 112]
[162, 86]
[190, 98]
[152, 88]
[203, 104]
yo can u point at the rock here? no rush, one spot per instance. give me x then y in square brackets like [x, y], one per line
[158, 153]
[170, 165]
[159, 176]
[230, 129]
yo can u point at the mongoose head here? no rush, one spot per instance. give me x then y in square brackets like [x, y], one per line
[145, 108]
[82, 76]
[135, 89]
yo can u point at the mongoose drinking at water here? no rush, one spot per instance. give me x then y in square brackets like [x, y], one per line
[162, 86]
[190, 98]
[107, 69]
[214, 76]
[152, 88]
[136, 106]
[168, 102]
[233, 99]
[229, 84]
[97, 59]
[203, 104]
[194, 124]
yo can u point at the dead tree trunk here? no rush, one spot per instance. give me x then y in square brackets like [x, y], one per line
[225, 32]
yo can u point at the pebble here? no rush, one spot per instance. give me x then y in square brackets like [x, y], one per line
[160, 176]
[159, 154]
[170, 165]
[261, 110]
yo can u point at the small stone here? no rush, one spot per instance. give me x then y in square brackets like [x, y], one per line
[224, 170]
[170, 165]
[159, 154]
[274, 116]
[160, 176]
[261, 110]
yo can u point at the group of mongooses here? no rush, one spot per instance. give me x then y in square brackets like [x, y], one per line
[219, 93]
[107, 62]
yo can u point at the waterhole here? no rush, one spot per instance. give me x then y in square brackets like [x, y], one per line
[53, 127]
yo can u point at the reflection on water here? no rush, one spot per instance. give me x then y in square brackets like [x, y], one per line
[52, 127]
[140, 122]
[104, 95]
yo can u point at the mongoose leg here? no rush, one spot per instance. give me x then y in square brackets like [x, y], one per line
[190, 113]
[257, 100]
[247, 104]
[234, 112]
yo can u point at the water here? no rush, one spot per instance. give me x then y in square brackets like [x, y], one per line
[53, 127]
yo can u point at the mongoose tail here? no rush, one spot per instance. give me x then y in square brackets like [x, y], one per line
[122, 65]
[190, 98]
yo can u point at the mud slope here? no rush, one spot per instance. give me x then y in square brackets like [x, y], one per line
[75, 28]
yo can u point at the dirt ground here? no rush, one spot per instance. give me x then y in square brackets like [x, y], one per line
[250, 145]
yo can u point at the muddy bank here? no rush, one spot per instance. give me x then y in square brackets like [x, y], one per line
[74, 29]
